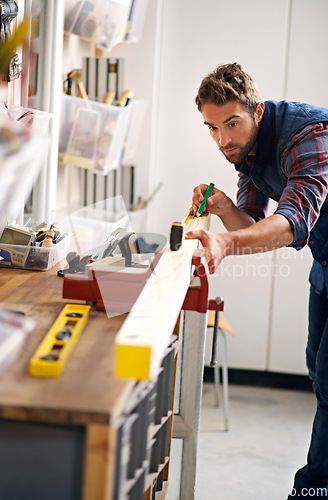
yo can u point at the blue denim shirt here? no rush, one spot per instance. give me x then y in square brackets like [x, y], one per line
[291, 166]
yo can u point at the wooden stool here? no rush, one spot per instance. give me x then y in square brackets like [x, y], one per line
[219, 323]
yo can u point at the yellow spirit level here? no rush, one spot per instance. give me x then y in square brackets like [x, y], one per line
[54, 351]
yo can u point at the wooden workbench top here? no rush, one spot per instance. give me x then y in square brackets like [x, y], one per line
[86, 391]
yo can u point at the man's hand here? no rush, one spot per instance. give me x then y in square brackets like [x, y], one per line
[263, 236]
[220, 204]
[213, 244]
[216, 204]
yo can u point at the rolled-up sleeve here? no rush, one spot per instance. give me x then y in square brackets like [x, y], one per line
[250, 199]
[305, 163]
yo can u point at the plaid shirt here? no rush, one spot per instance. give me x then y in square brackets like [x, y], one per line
[305, 167]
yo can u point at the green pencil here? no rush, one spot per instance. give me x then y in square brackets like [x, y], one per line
[206, 196]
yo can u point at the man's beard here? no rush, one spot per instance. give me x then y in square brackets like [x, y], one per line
[242, 151]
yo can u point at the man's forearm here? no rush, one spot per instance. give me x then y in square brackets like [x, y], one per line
[266, 235]
[234, 218]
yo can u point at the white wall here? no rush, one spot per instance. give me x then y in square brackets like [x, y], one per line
[307, 63]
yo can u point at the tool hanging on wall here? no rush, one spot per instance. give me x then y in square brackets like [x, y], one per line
[8, 12]
[73, 78]
[54, 351]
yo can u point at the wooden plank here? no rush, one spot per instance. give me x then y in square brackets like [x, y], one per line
[142, 339]
[104, 263]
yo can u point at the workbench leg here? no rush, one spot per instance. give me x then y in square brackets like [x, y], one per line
[97, 474]
[186, 424]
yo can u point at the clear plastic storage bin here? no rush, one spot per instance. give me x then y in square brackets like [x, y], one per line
[92, 133]
[93, 224]
[34, 258]
[38, 121]
[102, 23]
[23, 146]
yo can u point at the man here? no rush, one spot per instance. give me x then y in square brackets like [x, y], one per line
[280, 150]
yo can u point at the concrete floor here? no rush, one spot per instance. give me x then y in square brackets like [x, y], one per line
[256, 459]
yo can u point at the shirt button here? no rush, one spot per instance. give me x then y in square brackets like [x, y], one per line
[311, 242]
[324, 262]
[272, 195]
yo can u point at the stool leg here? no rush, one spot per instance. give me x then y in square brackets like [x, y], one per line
[225, 379]
[214, 359]
[216, 385]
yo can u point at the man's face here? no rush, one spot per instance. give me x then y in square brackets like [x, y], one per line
[233, 129]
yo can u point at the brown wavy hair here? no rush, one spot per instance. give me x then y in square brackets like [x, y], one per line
[228, 82]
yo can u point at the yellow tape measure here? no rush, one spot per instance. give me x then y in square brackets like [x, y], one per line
[189, 219]
[54, 351]
[203, 204]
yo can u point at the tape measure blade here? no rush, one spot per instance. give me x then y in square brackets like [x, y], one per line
[189, 219]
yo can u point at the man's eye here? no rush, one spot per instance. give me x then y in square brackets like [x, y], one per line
[212, 129]
[233, 124]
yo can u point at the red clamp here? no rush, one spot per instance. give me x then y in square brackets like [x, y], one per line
[216, 304]
[197, 295]
[108, 290]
